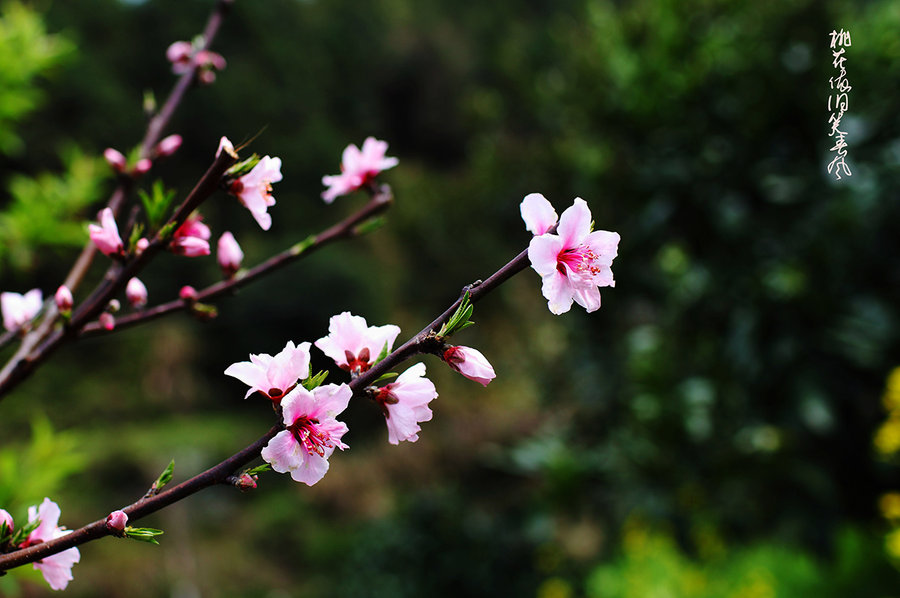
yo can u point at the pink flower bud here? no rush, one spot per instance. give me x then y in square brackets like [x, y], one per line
[245, 482]
[136, 293]
[189, 246]
[7, 519]
[229, 254]
[141, 245]
[206, 76]
[168, 146]
[116, 521]
[64, 299]
[107, 321]
[188, 293]
[470, 363]
[113, 306]
[143, 166]
[115, 159]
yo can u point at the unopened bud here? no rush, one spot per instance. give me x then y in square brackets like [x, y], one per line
[143, 166]
[168, 146]
[64, 299]
[245, 482]
[107, 321]
[6, 518]
[113, 306]
[116, 521]
[229, 254]
[115, 159]
[136, 293]
[141, 245]
[188, 293]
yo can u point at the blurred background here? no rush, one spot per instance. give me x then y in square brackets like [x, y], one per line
[725, 425]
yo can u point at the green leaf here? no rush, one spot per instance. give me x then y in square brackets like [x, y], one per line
[143, 534]
[383, 354]
[259, 469]
[157, 203]
[315, 381]
[242, 167]
[370, 225]
[385, 377]
[164, 478]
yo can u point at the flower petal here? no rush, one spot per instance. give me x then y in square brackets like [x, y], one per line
[538, 214]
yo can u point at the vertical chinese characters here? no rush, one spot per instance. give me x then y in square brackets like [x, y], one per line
[838, 102]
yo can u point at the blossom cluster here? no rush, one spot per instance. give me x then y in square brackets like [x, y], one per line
[309, 410]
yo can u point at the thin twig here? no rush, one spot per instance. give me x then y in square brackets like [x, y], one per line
[346, 229]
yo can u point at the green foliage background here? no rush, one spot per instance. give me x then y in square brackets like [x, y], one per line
[724, 397]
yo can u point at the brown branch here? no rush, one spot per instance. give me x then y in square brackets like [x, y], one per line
[346, 229]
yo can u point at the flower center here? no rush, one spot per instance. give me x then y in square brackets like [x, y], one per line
[583, 263]
[357, 363]
[308, 435]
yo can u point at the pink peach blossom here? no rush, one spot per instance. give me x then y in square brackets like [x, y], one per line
[358, 168]
[254, 189]
[312, 432]
[106, 235]
[19, 310]
[179, 54]
[229, 254]
[273, 376]
[136, 293]
[538, 214]
[352, 344]
[57, 568]
[63, 298]
[575, 262]
[405, 403]
[470, 363]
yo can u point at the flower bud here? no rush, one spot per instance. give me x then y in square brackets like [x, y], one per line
[179, 51]
[115, 159]
[113, 306]
[116, 521]
[143, 166]
[470, 363]
[168, 146]
[188, 293]
[189, 246]
[136, 293]
[6, 518]
[64, 299]
[229, 254]
[245, 482]
[107, 321]
[141, 245]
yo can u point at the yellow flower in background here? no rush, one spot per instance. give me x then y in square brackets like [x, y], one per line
[887, 438]
[891, 399]
[889, 504]
[892, 543]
